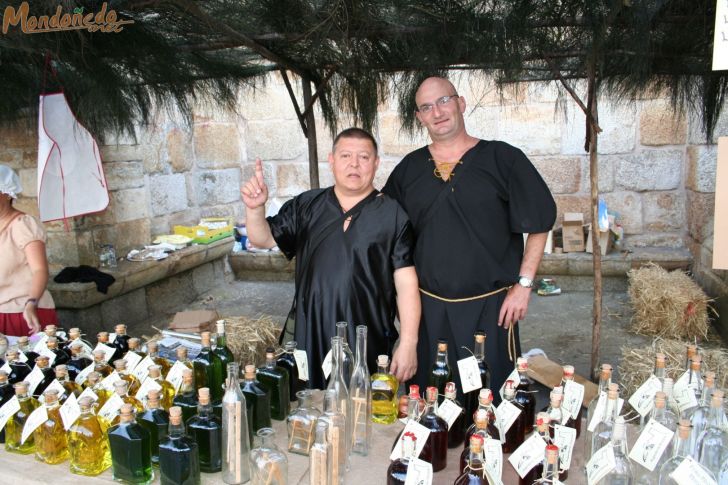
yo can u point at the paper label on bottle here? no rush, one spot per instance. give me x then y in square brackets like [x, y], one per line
[41, 344]
[528, 455]
[419, 472]
[505, 415]
[599, 411]
[70, 411]
[35, 419]
[50, 354]
[132, 360]
[326, 366]
[6, 368]
[111, 408]
[493, 453]
[22, 357]
[301, 363]
[421, 434]
[513, 376]
[81, 376]
[108, 382]
[573, 399]
[651, 444]
[53, 385]
[690, 472]
[7, 410]
[643, 398]
[88, 392]
[684, 394]
[564, 438]
[469, 374]
[34, 378]
[149, 384]
[602, 462]
[174, 376]
[108, 351]
[141, 370]
[449, 411]
[112, 337]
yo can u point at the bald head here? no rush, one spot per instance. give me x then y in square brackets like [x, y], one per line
[440, 110]
[438, 84]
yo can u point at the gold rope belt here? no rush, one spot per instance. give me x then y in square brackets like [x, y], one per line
[511, 335]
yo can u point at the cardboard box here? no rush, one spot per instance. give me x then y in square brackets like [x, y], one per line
[605, 241]
[549, 373]
[195, 321]
[573, 232]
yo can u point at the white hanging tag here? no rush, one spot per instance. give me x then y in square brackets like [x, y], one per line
[53, 385]
[111, 408]
[564, 438]
[108, 382]
[599, 411]
[149, 384]
[46, 352]
[33, 379]
[449, 411]
[419, 472]
[493, 452]
[326, 366]
[141, 370]
[22, 357]
[684, 394]
[469, 374]
[70, 411]
[8, 410]
[528, 455]
[174, 376]
[690, 472]
[602, 462]
[81, 376]
[573, 398]
[421, 434]
[108, 351]
[512, 377]
[88, 392]
[112, 337]
[301, 363]
[35, 419]
[505, 415]
[6, 368]
[651, 444]
[132, 360]
[643, 398]
[41, 344]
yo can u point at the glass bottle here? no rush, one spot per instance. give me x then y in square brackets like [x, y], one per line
[129, 378]
[69, 386]
[397, 471]
[18, 370]
[413, 409]
[347, 360]
[542, 429]
[186, 398]
[474, 471]
[24, 347]
[557, 413]
[605, 378]
[603, 431]
[435, 449]
[221, 349]
[78, 361]
[681, 449]
[206, 430]
[360, 390]
[691, 350]
[479, 427]
[275, 379]
[74, 337]
[517, 432]
[87, 445]
[713, 442]
[61, 356]
[471, 399]
[121, 342]
[153, 353]
[301, 424]
[699, 417]
[93, 381]
[179, 460]
[456, 432]
[667, 385]
[257, 401]
[48, 375]
[51, 444]
[167, 393]
[440, 373]
[268, 464]
[14, 425]
[340, 386]
[100, 364]
[320, 457]
[103, 338]
[208, 369]
[622, 472]
[336, 422]
[288, 362]
[524, 391]
[135, 345]
[131, 449]
[6, 393]
[181, 354]
[384, 393]
[551, 465]
[156, 421]
[485, 404]
[569, 376]
[235, 434]
[695, 382]
[661, 413]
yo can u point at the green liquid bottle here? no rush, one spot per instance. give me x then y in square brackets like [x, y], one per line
[156, 421]
[131, 449]
[209, 371]
[186, 398]
[440, 373]
[276, 379]
[206, 430]
[221, 348]
[287, 360]
[179, 459]
[257, 401]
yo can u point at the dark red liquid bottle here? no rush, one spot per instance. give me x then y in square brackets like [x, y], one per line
[435, 449]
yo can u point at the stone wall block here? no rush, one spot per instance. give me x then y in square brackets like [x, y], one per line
[62, 250]
[233, 210]
[169, 193]
[203, 277]
[393, 139]
[655, 239]
[12, 157]
[29, 181]
[179, 150]
[617, 122]
[169, 295]
[663, 211]
[700, 208]
[130, 204]
[275, 140]
[130, 308]
[124, 236]
[605, 169]
[650, 170]
[217, 186]
[124, 175]
[534, 128]
[481, 122]
[572, 203]
[702, 163]
[216, 145]
[628, 207]
[29, 205]
[661, 125]
[292, 179]
[562, 174]
[270, 103]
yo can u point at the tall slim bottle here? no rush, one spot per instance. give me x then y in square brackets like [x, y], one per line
[340, 386]
[681, 449]
[524, 391]
[471, 399]
[51, 444]
[336, 423]
[275, 379]
[131, 449]
[87, 444]
[360, 389]
[257, 401]
[206, 430]
[347, 358]
[622, 472]
[485, 404]
[320, 457]
[288, 362]
[156, 421]
[235, 435]
[221, 349]
[440, 373]
[179, 460]
[605, 378]
[569, 376]
[208, 369]
[479, 427]
[713, 442]
[435, 449]
[699, 417]
[603, 432]
[551, 465]
[542, 429]
[695, 382]
[16, 423]
[384, 393]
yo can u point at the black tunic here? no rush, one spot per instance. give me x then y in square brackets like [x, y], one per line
[471, 244]
[351, 274]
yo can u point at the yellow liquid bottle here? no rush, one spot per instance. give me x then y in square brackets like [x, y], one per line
[51, 445]
[70, 386]
[100, 364]
[167, 393]
[384, 393]
[87, 443]
[93, 381]
[14, 426]
[130, 379]
[153, 353]
[135, 345]
[121, 388]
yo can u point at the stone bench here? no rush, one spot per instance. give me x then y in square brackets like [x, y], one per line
[142, 290]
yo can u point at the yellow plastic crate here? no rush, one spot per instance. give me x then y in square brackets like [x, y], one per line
[203, 235]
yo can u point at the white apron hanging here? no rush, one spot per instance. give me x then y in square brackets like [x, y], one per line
[71, 179]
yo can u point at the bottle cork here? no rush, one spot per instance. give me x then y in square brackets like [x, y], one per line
[431, 394]
[522, 364]
[23, 340]
[691, 350]
[606, 372]
[153, 397]
[61, 371]
[11, 355]
[175, 415]
[481, 419]
[93, 378]
[568, 372]
[717, 400]
[659, 360]
[442, 345]
[270, 353]
[121, 387]
[485, 397]
[220, 327]
[74, 332]
[50, 396]
[181, 352]
[250, 371]
[613, 391]
[383, 360]
[152, 346]
[50, 330]
[476, 443]
[134, 343]
[552, 454]
[41, 361]
[542, 422]
[203, 395]
[120, 364]
[21, 388]
[126, 413]
[99, 355]
[205, 339]
[660, 399]
[695, 363]
[479, 337]
[155, 371]
[684, 428]
[509, 390]
[103, 337]
[450, 390]
[120, 329]
[709, 378]
[414, 391]
[187, 376]
[52, 343]
[76, 347]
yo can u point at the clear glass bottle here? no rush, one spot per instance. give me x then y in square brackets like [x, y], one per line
[18, 370]
[485, 403]
[695, 382]
[257, 400]
[186, 398]
[121, 342]
[336, 422]
[681, 449]
[288, 362]
[517, 432]
[268, 464]
[206, 430]
[384, 393]
[661, 413]
[320, 457]
[128, 377]
[605, 378]
[347, 360]
[667, 385]
[221, 349]
[360, 390]
[51, 443]
[301, 424]
[275, 379]
[208, 369]
[131, 449]
[156, 421]
[179, 460]
[622, 472]
[603, 432]
[474, 471]
[557, 413]
[441, 372]
[479, 427]
[14, 425]
[568, 375]
[691, 350]
[699, 417]
[524, 392]
[471, 399]
[713, 442]
[551, 465]
[456, 432]
[235, 434]
[397, 471]
[435, 449]
[87, 445]
[153, 353]
[340, 386]
[100, 364]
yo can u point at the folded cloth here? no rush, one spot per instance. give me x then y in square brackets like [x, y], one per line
[85, 274]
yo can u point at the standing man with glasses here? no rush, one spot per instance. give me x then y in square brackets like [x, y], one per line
[470, 202]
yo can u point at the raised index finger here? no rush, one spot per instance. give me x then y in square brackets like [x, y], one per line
[259, 171]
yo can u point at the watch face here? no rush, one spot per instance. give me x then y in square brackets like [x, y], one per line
[525, 282]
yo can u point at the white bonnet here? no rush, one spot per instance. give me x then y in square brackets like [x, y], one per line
[9, 182]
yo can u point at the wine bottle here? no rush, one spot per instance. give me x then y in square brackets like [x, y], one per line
[257, 400]
[208, 369]
[435, 449]
[275, 379]
[205, 428]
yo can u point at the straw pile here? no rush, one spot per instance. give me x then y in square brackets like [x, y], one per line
[667, 304]
[637, 363]
[249, 337]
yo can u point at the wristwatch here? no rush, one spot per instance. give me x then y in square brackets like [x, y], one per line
[32, 301]
[525, 282]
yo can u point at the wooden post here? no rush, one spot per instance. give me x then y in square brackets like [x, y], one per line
[313, 173]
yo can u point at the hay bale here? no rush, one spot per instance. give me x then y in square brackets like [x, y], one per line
[249, 337]
[637, 363]
[667, 304]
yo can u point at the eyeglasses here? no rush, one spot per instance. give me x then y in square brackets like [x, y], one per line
[426, 108]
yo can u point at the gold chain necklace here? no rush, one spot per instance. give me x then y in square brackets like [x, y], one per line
[445, 170]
